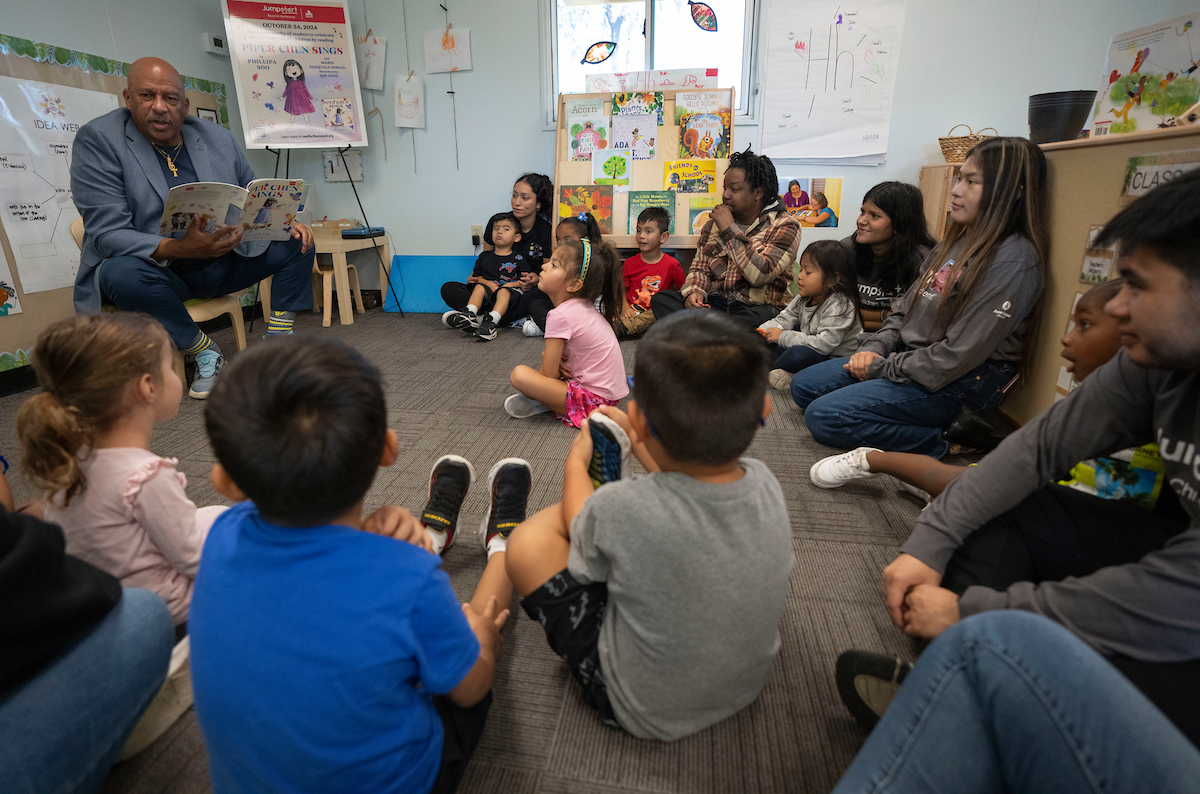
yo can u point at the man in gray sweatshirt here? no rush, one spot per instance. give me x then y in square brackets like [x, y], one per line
[1000, 537]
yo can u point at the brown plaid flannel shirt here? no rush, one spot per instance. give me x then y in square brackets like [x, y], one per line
[752, 267]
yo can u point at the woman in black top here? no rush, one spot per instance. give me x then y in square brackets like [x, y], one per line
[532, 199]
[889, 245]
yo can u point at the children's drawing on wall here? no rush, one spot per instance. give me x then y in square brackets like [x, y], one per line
[703, 15]
[410, 101]
[599, 52]
[297, 101]
[815, 201]
[370, 52]
[447, 50]
[1151, 79]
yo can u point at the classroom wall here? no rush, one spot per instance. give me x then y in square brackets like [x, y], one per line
[972, 61]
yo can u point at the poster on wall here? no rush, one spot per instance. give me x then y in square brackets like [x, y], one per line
[295, 72]
[815, 201]
[38, 133]
[410, 101]
[830, 77]
[9, 302]
[1152, 75]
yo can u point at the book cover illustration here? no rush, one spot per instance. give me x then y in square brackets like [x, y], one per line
[587, 127]
[339, 114]
[690, 176]
[700, 210]
[642, 199]
[613, 167]
[596, 199]
[265, 209]
[637, 104]
[704, 119]
[636, 133]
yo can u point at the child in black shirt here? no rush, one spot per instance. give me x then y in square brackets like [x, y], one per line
[497, 280]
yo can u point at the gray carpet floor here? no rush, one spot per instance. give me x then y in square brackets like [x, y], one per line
[445, 393]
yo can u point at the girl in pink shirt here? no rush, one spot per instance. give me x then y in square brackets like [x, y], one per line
[582, 367]
[107, 380]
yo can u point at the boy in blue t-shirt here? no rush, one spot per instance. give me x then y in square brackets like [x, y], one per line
[329, 652]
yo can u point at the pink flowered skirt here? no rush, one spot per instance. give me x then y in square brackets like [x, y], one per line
[580, 403]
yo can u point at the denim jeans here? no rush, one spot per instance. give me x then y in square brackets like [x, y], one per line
[1009, 701]
[137, 285]
[842, 411]
[62, 729]
[796, 357]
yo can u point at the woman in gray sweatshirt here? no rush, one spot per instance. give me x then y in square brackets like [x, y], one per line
[960, 332]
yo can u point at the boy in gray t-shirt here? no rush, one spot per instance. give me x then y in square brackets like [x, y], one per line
[664, 593]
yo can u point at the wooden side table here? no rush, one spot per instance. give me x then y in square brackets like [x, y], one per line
[337, 248]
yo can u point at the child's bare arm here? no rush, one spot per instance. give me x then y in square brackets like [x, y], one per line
[478, 680]
[552, 355]
[577, 484]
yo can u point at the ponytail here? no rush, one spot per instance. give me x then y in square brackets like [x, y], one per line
[84, 364]
[586, 224]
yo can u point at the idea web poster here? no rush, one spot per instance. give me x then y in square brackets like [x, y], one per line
[295, 74]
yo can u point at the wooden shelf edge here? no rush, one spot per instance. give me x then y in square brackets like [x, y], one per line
[1131, 137]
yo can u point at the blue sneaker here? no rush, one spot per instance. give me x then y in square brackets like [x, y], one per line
[208, 364]
[610, 450]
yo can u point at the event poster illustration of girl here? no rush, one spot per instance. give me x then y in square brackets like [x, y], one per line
[296, 99]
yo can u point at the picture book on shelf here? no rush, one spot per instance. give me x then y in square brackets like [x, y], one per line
[587, 127]
[639, 103]
[613, 167]
[596, 199]
[704, 119]
[642, 199]
[635, 133]
[699, 211]
[690, 176]
[265, 209]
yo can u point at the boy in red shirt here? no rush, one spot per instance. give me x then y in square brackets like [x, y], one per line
[646, 272]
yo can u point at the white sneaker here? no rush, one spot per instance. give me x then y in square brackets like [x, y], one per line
[780, 379]
[837, 470]
[531, 329]
[518, 406]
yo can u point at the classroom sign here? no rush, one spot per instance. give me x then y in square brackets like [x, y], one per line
[295, 73]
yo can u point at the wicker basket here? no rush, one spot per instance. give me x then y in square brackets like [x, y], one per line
[955, 149]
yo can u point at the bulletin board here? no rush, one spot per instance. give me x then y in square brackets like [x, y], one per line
[24, 60]
[645, 174]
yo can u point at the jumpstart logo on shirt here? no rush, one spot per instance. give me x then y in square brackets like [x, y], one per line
[1183, 452]
[1003, 312]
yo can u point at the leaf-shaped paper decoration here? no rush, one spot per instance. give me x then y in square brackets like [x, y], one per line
[599, 52]
[704, 17]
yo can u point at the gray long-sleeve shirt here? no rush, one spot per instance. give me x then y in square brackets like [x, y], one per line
[1149, 609]
[990, 327]
[831, 327]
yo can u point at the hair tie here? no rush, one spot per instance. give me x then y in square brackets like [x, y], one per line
[583, 216]
[587, 258]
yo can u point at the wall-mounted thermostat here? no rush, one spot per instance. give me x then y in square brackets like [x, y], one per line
[217, 45]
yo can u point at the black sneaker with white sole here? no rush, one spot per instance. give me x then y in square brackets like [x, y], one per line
[486, 331]
[509, 482]
[448, 485]
[463, 321]
[867, 682]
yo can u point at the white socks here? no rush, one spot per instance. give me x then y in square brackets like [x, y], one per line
[495, 316]
[472, 309]
[497, 543]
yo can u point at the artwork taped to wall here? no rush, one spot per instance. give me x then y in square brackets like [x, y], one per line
[370, 51]
[295, 72]
[802, 197]
[596, 199]
[666, 79]
[1152, 75]
[447, 50]
[830, 77]
[410, 101]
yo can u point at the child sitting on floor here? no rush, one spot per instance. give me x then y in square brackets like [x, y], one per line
[108, 379]
[1135, 475]
[329, 652]
[664, 593]
[647, 272]
[582, 367]
[822, 321]
[497, 278]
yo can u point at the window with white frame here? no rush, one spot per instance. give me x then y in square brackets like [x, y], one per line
[636, 35]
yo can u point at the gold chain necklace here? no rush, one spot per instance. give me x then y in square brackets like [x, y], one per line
[167, 157]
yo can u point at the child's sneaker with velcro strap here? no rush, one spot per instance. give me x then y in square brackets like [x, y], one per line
[509, 482]
[448, 485]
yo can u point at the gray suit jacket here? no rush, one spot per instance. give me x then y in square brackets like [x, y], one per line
[119, 189]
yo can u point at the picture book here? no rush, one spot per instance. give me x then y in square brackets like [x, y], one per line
[596, 199]
[699, 211]
[641, 199]
[265, 209]
[637, 104]
[690, 176]
[339, 114]
[613, 167]
[635, 133]
[587, 127]
[704, 119]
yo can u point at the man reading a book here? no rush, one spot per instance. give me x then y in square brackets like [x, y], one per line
[124, 163]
